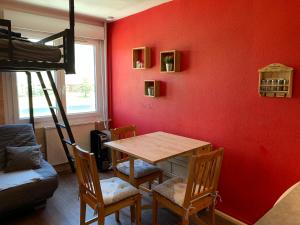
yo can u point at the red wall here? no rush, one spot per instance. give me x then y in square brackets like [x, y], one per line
[214, 98]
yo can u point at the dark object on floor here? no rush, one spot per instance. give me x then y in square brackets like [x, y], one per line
[27, 187]
[102, 153]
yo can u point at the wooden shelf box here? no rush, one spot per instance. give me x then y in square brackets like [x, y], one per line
[275, 80]
[151, 88]
[141, 58]
[176, 58]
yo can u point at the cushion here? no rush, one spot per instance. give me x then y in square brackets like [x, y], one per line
[15, 135]
[141, 168]
[173, 189]
[28, 193]
[116, 189]
[22, 158]
[17, 178]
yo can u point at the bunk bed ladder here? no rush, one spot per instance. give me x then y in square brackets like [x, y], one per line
[54, 109]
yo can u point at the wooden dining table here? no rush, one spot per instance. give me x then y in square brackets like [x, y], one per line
[156, 147]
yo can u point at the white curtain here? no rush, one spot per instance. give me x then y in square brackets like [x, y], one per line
[104, 85]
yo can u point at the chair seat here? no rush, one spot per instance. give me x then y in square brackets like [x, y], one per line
[115, 189]
[141, 168]
[173, 189]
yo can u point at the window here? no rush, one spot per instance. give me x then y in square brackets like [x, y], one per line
[79, 92]
[80, 88]
[41, 107]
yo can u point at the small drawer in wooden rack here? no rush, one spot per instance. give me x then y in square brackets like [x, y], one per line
[141, 58]
[151, 88]
[276, 80]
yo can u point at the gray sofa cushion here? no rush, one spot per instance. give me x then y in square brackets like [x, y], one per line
[22, 158]
[15, 135]
[16, 178]
[30, 193]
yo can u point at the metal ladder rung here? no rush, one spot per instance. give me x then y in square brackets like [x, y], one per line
[55, 109]
[67, 142]
[61, 125]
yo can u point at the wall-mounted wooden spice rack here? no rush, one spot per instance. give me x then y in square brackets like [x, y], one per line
[276, 80]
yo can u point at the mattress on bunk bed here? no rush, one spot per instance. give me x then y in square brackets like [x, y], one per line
[30, 51]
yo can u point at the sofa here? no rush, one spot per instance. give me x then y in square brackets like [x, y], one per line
[28, 187]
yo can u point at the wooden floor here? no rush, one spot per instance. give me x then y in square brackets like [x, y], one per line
[63, 209]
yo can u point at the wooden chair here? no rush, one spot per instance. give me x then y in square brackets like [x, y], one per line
[106, 196]
[199, 191]
[143, 171]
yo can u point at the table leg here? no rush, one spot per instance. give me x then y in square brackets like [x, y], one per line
[114, 159]
[195, 218]
[131, 170]
[201, 150]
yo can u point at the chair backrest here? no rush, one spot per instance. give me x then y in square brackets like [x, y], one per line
[204, 173]
[117, 134]
[206, 149]
[123, 132]
[100, 125]
[87, 175]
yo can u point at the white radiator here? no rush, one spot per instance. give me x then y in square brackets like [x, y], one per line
[55, 151]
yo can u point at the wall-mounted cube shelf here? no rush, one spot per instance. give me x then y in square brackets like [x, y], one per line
[275, 80]
[151, 88]
[173, 57]
[141, 58]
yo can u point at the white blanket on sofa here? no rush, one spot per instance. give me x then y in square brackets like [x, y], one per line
[13, 179]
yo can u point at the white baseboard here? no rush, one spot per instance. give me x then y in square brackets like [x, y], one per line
[229, 218]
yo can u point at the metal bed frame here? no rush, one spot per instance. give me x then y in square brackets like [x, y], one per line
[67, 64]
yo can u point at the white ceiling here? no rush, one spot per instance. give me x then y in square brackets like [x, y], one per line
[101, 9]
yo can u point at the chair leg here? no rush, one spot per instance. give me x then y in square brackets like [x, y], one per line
[149, 185]
[212, 214]
[138, 212]
[185, 221]
[101, 218]
[154, 210]
[82, 212]
[132, 213]
[160, 178]
[117, 216]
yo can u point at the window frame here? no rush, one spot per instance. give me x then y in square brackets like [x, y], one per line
[84, 115]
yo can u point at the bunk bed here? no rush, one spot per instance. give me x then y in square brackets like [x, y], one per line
[17, 54]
